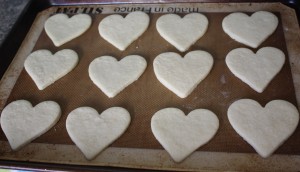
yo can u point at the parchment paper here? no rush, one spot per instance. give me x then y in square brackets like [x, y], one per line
[147, 95]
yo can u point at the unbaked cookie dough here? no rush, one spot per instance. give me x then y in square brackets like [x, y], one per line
[264, 128]
[112, 76]
[120, 31]
[182, 32]
[92, 132]
[256, 70]
[182, 75]
[182, 134]
[22, 123]
[45, 68]
[250, 30]
[61, 29]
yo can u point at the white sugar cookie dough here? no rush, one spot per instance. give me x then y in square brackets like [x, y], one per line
[92, 132]
[250, 30]
[182, 134]
[112, 76]
[256, 70]
[22, 123]
[121, 32]
[264, 128]
[61, 29]
[182, 32]
[182, 75]
[45, 68]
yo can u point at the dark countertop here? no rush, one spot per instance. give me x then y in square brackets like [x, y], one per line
[10, 10]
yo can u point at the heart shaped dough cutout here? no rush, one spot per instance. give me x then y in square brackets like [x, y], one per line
[265, 129]
[61, 29]
[92, 132]
[121, 32]
[251, 31]
[182, 32]
[112, 76]
[181, 135]
[256, 70]
[45, 68]
[182, 75]
[22, 123]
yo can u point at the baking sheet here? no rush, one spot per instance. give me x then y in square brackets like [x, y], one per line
[143, 97]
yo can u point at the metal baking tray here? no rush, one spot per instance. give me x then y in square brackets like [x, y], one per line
[10, 48]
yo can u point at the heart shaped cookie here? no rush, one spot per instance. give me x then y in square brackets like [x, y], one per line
[181, 135]
[256, 70]
[182, 32]
[251, 31]
[61, 29]
[22, 123]
[112, 76]
[121, 32]
[45, 68]
[182, 75]
[265, 129]
[92, 132]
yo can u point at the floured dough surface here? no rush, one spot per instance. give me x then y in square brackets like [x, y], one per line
[264, 128]
[120, 31]
[22, 123]
[256, 70]
[182, 75]
[182, 134]
[182, 32]
[250, 30]
[112, 76]
[92, 132]
[45, 68]
[61, 29]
